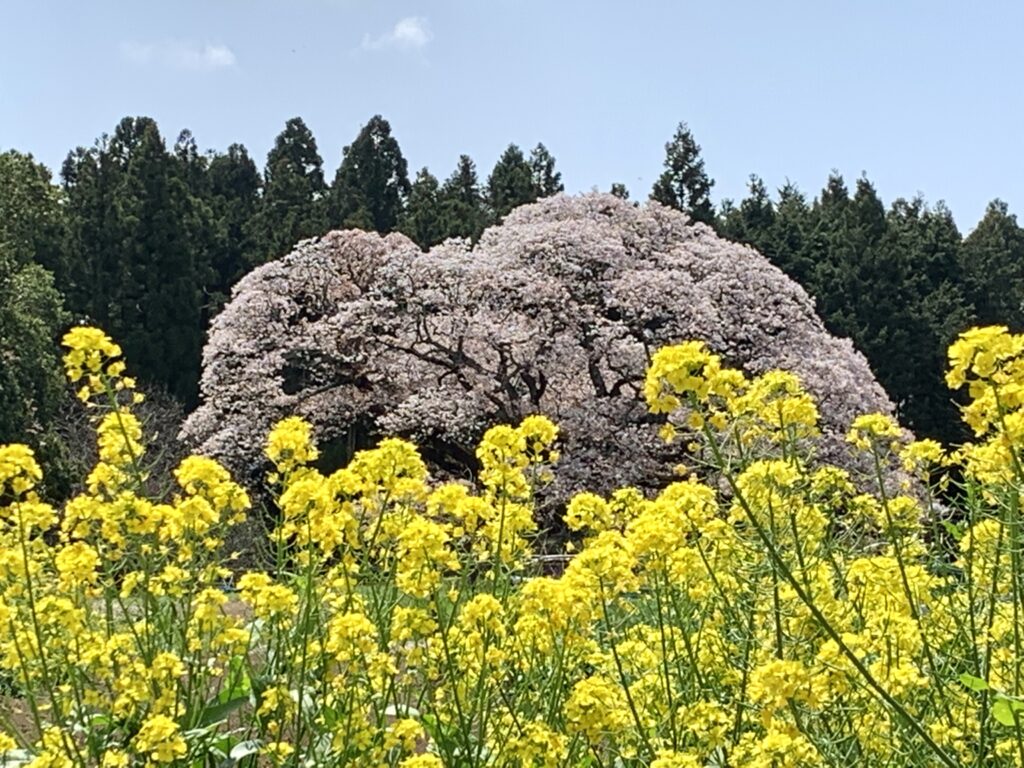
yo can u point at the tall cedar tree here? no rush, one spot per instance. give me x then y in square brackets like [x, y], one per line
[933, 311]
[200, 221]
[137, 269]
[685, 185]
[422, 218]
[511, 183]
[546, 180]
[463, 211]
[234, 188]
[294, 197]
[788, 238]
[992, 260]
[31, 312]
[372, 182]
[162, 233]
[89, 178]
[754, 219]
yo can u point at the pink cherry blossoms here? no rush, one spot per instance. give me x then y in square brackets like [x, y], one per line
[556, 311]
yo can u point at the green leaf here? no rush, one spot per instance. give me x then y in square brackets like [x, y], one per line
[218, 712]
[429, 723]
[974, 683]
[1006, 711]
[239, 685]
[954, 530]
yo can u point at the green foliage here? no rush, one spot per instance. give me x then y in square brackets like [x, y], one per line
[31, 312]
[372, 183]
[992, 260]
[31, 219]
[422, 220]
[546, 180]
[888, 280]
[293, 194]
[754, 218]
[199, 221]
[790, 234]
[511, 183]
[137, 239]
[234, 189]
[462, 203]
[31, 315]
[685, 185]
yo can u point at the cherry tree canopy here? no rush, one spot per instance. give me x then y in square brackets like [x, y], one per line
[556, 311]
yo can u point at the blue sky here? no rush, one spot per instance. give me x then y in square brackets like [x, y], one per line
[925, 97]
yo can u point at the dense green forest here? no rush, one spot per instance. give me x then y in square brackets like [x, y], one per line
[146, 240]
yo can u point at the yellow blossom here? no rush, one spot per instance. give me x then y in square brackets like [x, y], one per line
[160, 738]
[596, 709]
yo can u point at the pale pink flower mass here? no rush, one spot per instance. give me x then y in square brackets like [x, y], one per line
[556, 311]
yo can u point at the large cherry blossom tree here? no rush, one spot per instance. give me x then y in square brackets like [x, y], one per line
[556, 311]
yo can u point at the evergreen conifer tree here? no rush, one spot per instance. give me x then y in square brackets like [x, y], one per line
[790, 235]
[234, 183]
[753, 221]
[192, 164]
[511, 183]
[89, 178]
[462, 204]
[684, 184]
[372, 182]
[158, 301]
[546, 180]
[31, 312]
[993, 268]
[834, 253]
[930, 310]
[191, 169]
[422, 220]
[134, 248]
[293, 204]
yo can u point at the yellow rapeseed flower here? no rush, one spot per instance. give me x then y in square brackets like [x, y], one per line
[596, 709]
[290, 444]
[160, 738]
[19, 470]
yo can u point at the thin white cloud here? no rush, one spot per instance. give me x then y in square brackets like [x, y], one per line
[179, 54]
[409, 34]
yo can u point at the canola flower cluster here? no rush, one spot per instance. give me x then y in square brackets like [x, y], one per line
[763, 610]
